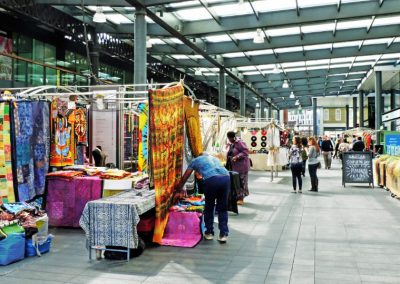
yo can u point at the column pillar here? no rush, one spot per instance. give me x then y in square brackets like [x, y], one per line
[271, 115]
[347, 117]
[354, 112]
[279, 116]
[242, 101]
[222, 89]
[392, 107]
[378, 99]
[314, 120]
[361, 108]
[140, 54]
[94, 59]
[262, 105]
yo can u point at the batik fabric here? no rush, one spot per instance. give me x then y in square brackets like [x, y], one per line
[192, 120]
[167, 142]
[32, 141]
[81, 126]
[143, 137]
[6, 174]
[62, 151]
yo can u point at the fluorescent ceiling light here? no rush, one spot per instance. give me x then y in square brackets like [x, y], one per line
[292, 96]
[377, 41]
[259, 37]
[246, 68]
[317, 62]
[175, 40]
[104, 8]
[99, 16]
[285, 84]
[314, 3]
[252, 73]
[342, 59]
[293, 64]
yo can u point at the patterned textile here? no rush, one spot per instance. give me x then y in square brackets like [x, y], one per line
[112, 221]
[6, 175]
[32, 140]
[182, 230]
[167, 140]
[115, 174]
[81, 126]
[244, 186]
[62, 151]
[192, 120]
[65, 174]
[66, 199]
[143, 137]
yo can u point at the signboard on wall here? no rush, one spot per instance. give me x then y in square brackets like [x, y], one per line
[392, 143]
[357, 168]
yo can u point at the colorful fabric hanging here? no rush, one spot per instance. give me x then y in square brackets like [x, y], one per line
[192, 120]
[62, 151]
[32, 140]
[143, 136]
[6, 175]
[167, 141]
[81, 126]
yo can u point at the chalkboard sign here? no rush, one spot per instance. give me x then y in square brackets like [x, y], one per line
[357, 168]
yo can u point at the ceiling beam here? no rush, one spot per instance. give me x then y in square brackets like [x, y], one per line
[112, 3]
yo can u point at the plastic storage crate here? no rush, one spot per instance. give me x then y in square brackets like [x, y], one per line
[38, 249]
[12, 249]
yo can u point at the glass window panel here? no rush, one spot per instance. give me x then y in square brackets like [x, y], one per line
[156, 41]
[67, 79]
[244, 35]
[20, 71]
[5, 68]
[180, 56]
[38, 51]
[35, 74]
[51, 76]
[24, 46]
[50, 54]
[233, 54]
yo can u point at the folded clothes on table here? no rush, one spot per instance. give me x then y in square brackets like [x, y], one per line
[65, 174]
[115, 174]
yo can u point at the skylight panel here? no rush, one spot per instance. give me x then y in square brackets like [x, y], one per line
[283, 31]
[244, 35]
[317, 62]
[148, 20]
[175, 40]
[293, 64]
[196, 56]
[391, 55]
[193, 14]
[156, 41]
[267, 66]
[345, 25]
[259, 52]
[364, 63]
[289, 49]
[368, 57]
[342, 59]
[180, 56]
[317, 67]
[314, 3]
[317, 46]
[233, 54]
[296, 69]
[184, 4]
[384, 21]
[251, 73]
[347, 43]
[232, 9]
[317, 28]
[105, 8]
[377, 41]
[274, 5]
[343, 65]
[218, 38]
[246, 68]
[118, 19]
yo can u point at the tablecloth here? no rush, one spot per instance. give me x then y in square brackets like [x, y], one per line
[112, 221]
[66, 199]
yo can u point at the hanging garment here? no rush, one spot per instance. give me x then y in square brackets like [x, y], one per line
[32, 141]
[143, 137]
[62, 151]
[167, 142]
[6, 174]
[81, 126]
[192, 120]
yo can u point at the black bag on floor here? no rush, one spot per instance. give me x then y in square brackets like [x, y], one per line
[232, 197]
[119, 255]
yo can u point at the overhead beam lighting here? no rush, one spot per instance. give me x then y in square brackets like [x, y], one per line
[259, 37]
[99, 16]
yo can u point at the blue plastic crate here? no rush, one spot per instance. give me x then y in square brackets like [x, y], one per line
[30, 249]
[12, 249]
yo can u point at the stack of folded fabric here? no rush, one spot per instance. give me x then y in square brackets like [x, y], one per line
[115, 174]
[65, 174]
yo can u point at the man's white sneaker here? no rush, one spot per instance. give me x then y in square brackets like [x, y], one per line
[209, 237]
[222, 239]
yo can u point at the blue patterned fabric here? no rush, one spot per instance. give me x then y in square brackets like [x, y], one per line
[32, 139]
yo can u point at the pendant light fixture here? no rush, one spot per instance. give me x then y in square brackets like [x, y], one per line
[198, 72]
[99, 16]
[259, 37]
[292, 95]
[285, 84]
[297, 102]
[276, 69]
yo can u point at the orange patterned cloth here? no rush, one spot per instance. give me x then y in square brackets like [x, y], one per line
[192, 120]
[167, 142]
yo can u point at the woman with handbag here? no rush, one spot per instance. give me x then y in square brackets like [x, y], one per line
[313, 163]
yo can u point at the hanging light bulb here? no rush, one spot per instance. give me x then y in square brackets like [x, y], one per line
[299, 107]
[285, 84]
[276, 69]
[297, 102]
[292, 95]
[148, 42]
[99, 16]
[259, 37]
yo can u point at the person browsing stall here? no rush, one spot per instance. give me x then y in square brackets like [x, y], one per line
[216, 188]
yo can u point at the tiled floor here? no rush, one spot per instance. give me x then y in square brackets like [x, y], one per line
[339, 235]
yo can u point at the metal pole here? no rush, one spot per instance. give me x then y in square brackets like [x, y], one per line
[354, 112]
[242, 101]
[222, 89]
[378, 99]
[314, 104]
[271, 115]
[140, 54]
[347, 117]
[262, 104]
[392, 107]
[361, 108]
[94, 59]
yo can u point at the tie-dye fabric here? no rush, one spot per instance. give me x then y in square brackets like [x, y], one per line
[192, 120]
[6, 174]
[167, 142]
[32, 140]
[143, 137]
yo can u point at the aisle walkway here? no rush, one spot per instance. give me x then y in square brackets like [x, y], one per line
[338, 235]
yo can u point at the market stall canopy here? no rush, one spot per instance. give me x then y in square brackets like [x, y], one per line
[359, 131]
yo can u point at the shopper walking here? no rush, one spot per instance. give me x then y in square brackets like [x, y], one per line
[216, 184]
[358, 145]
[313, 163]
[304, 154]
[238, 161]
[327, 149]
[296, 163]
